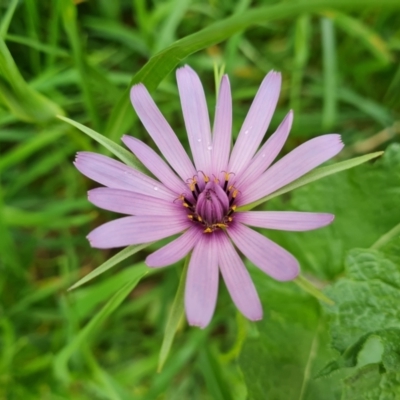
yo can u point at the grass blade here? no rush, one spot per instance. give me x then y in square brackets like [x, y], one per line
[174, 318]
[314, 175]
[124, 155]
[112, 262]
[161, 64]
[61, 360]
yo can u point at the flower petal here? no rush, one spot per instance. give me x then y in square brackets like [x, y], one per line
[267, 154]
[136, 230]
[222, 131]
[285, 220]
[202, 282]
[126, 202]
[294, 165]
[238, 280]
[161, 132]
[263, 253]
[155, 164]
[176, 250]
[117, 175]
[256, 123]
[195, 114]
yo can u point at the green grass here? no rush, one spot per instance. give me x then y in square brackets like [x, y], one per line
[340, 67]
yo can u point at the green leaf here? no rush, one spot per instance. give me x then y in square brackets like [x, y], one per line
[164, 62]
[370, 384]
[124, 155]
[315, 175]
[61, 359]
[292, 345]
[174, 318]
[112, 262]
[372, 284]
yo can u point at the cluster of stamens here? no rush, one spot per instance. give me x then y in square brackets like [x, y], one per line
[211, 206]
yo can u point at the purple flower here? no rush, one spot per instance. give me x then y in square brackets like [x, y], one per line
[201, 199]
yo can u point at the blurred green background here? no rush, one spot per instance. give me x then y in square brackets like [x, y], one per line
[340, 67]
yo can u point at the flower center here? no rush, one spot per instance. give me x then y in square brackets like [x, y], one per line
[213, 205]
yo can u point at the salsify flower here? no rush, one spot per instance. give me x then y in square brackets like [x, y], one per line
[201, 199]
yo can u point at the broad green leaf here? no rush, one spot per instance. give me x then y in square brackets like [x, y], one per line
[364, 201]
[124, 155]
[314, 175]
[164, 62]
[291, 347]
[372, 284]
[380, 346]
[370, 384]
[111, 262]
[62, 358]
[175, 316]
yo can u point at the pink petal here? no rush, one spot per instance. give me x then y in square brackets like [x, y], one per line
[222, 131]
[136, 230]
[238, 280]
[202, 282]
[294, 165]
[117, 175]
[161, 132]
[263, 253]
[176, 250]
[155, 164]
[195, 114]
[256, 123]
[267, 154]
[126, 202]
[285, 220]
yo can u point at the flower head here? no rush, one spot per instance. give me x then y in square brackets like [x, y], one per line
[200, 199]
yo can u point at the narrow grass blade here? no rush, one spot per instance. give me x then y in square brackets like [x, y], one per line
[329, 109]
[124, 155]
[29, 147]
[69, 16]
[21, 99]
[61, 359]
[356, 28]
[5, 22]
[112, 262]
[387, 237]
[314, 175]
[161, 64]
[174, 318]
[306, 285]
[37, 45]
